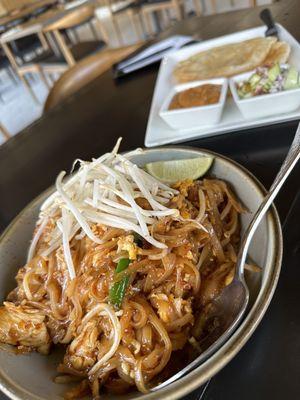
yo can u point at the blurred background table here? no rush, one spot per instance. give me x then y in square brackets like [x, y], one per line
[88, 123]
[21, 13]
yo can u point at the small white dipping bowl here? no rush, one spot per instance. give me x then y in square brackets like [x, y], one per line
[193, 117]
[266, 104]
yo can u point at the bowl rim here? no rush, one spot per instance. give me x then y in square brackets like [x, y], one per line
[201, 374]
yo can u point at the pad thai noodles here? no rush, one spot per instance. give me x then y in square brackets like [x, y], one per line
[120, 271]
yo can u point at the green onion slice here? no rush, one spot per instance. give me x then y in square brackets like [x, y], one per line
[117, 291]
[122, 264]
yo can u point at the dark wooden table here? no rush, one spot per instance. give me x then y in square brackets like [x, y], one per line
[89, 123]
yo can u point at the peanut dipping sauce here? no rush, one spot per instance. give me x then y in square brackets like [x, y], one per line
[202, 95]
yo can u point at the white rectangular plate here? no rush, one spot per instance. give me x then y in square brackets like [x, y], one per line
[158, 132]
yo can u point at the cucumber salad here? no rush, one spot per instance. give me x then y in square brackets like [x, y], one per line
[266, 80]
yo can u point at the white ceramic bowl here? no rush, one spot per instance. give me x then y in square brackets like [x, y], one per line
[266, 104]
[30, 377]
[193, 117]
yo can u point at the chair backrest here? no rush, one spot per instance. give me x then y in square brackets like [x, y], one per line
[213, 3]
[85, 72]
[72, 19]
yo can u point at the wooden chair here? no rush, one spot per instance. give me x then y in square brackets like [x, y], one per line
[23, 67]
[129, 9]
[85, 72]
[65, 54]
[4, 132]
[165, 7]
[252, 3]
[69, 53]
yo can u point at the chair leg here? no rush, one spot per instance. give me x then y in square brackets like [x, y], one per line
[142, 25]
[148, 24]
[103, 32]
[93, 30]
[75, 35]
[31, 76]
[11, 75]
[165, 18]
[139, 26]
[213, 6]
[44, 78]
[117, 31]
[53, 45]
[178, 11]
[9, 54]
[1, 99]
[14, 65]
[52, 78]
[64, 48]
[4, 132]
[130, 14]
[198, 8]
[29, 89]
[43, 40]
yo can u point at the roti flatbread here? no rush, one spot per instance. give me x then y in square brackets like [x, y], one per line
[279, 53]
[225, 61]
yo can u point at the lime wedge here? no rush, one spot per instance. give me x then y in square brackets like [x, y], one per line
[179, 170]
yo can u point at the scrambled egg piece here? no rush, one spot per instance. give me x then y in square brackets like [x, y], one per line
[184, 186]
[186, 208]
[126, 243]
[185, 214]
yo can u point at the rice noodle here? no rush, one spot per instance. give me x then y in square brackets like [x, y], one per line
[116, 333]
[65, 230]
[139, 379]
[36, 237]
